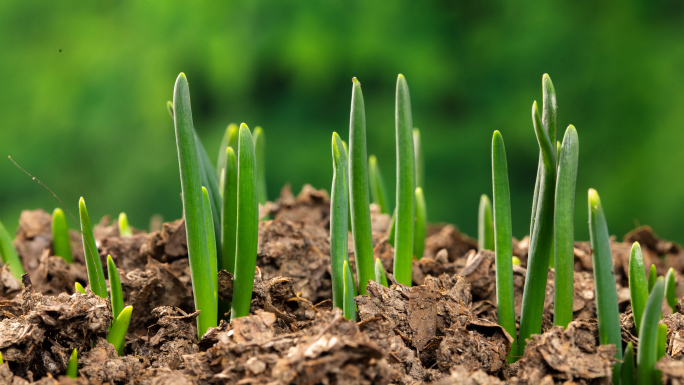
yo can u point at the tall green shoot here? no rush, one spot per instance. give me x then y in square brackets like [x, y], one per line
[229, 186]
[60, 236]
[193, 207]
[260, 154]
[377, 185]
[116, 293]
[638, 287]
[628, 371]
[211, 240]
[338, 221]
[230, 138]
[96, 277]
[358, 188]
[647, 354]
[421, 224]
[406, 182]
[652, 276]
[117, 333]
[503, 247]
[247, 225]
[607, 311]
[485, 225]
[420, 158]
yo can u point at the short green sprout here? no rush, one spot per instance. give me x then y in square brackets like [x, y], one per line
[116, 294]
[419, 158]
[124, 227]
[9, 254]
[638, 287]
[79, 288]
[670, 293]
[72, 367]
[211, 240]
[647, 354]
[96, 277]
[260, 154]
[628, 371]
[662, 341]
[117, 333]
[421, 225]
[60, 236]
[229, 185]
[230, 139]
[349, 306]
[377, 185]
[485, 225]
[338, 221]
[380, 274]
[652, 276]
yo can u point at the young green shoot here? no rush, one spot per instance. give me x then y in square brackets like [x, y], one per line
[652, 276]
[406, 185]
[380, 274]
[564, 228]
[72, 367]
[421, 224]
[485, 225]
[115, 291]
[358, 190]
[662, 341]
[9, 254]
[503, 246]
[420, 158]
[392, 232]
[211, 240]
[647, 354]
[349, 306]
[670, 293]
[607, 311]
[628, 372]
[338, 221]
[377, 185]
[193, 208]
[230, 138]
[79, 288]
[117, 333]
[228, 220]
[209, 180]
[638, 287]
[96, 277]
[124, 227]
[247, 225]
[60, 236]
[260, 154]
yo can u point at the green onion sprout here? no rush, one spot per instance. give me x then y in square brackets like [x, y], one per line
[420, 226]
[229, 185]
[349, 306]
[638, 287]
[9, 254]
[260, 154]
[380, 274]
[124, 227]
[377, 185]
[485, 225]
[96, 277]
[652, 276]
[670, 294]
[72, 367]
[117, 333]
[647, 354]
[79, 288]
[662, 341]
[115, 288]
[338, 221]
[60, 236]
[628, 372]
[211, 240]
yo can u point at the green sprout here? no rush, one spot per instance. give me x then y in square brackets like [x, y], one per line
[485, 225]
[377, 185]
[670, 294]
[358, 190]
[9, 254]
[247, 225]
[564, 228]
[79, 288]
[652, 276]
[406, 185]
[391, 233]
[421, 224]
[124, 227]
[628, 372]
[349, 306]
[260, 154]
[117, 333]
[60, 236]
[662, 341]
[647, 354]
[380, 274]
[211, 240]
[541, 237]
[503, 246]
[338, 221]
[229, 185]
[638, 287]
[208, 179]
[419, 158]
[230, 139]
[607, 311]
[114, 288]
[96, 277]
[72, 367]
[193, 210]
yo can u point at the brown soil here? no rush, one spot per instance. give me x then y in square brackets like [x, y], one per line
[442, 330]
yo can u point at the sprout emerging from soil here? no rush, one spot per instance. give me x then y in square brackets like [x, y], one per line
[406, 184]
[607, 311]
[377, 185]
[260, 154]
[349, 306]
[117, 333]
[638, 287]
[124, 227]
[114, 288]
[380, 274]
[647, 354]
[628, 373]
[211, 240]
[358, 189]
[79, 288]
[9, 254]
[72, 367]
[662, 340]
[670, 293]
[421, 225]
[230, 139]
[485, 225]
[229, 185]
[652, 276]
[60, 236]
[96, 277]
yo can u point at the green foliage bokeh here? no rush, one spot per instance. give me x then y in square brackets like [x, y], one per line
[85, 84]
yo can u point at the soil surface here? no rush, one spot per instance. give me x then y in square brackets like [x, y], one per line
[442, 330]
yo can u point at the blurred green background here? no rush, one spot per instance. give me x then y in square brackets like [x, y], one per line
[85, 84]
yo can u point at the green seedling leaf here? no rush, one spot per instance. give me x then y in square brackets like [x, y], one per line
[60, 236]
[230, 138]
[338, 221]
[421, 225]
[652, 276]
[247, 225]
[503, 247]
[9, 254]
[628, 373]
[211, 240]
[406, 185]
[124, 227]
[96, 277]
[260, 154]
[79, 288]
[229, 220]
[72, 367]
[377, 185]
[647, 354]
[358, 189]
[115, 288]
[208, 178]
[391, 233]
[420, 158]
[662, 341]
[349, 306]
[380, 274]
[564, 228]
[349, 214]
[670, 293]
[485, 225]
[638, 287]
[117, 333]
[193, 207]
[607, 311]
